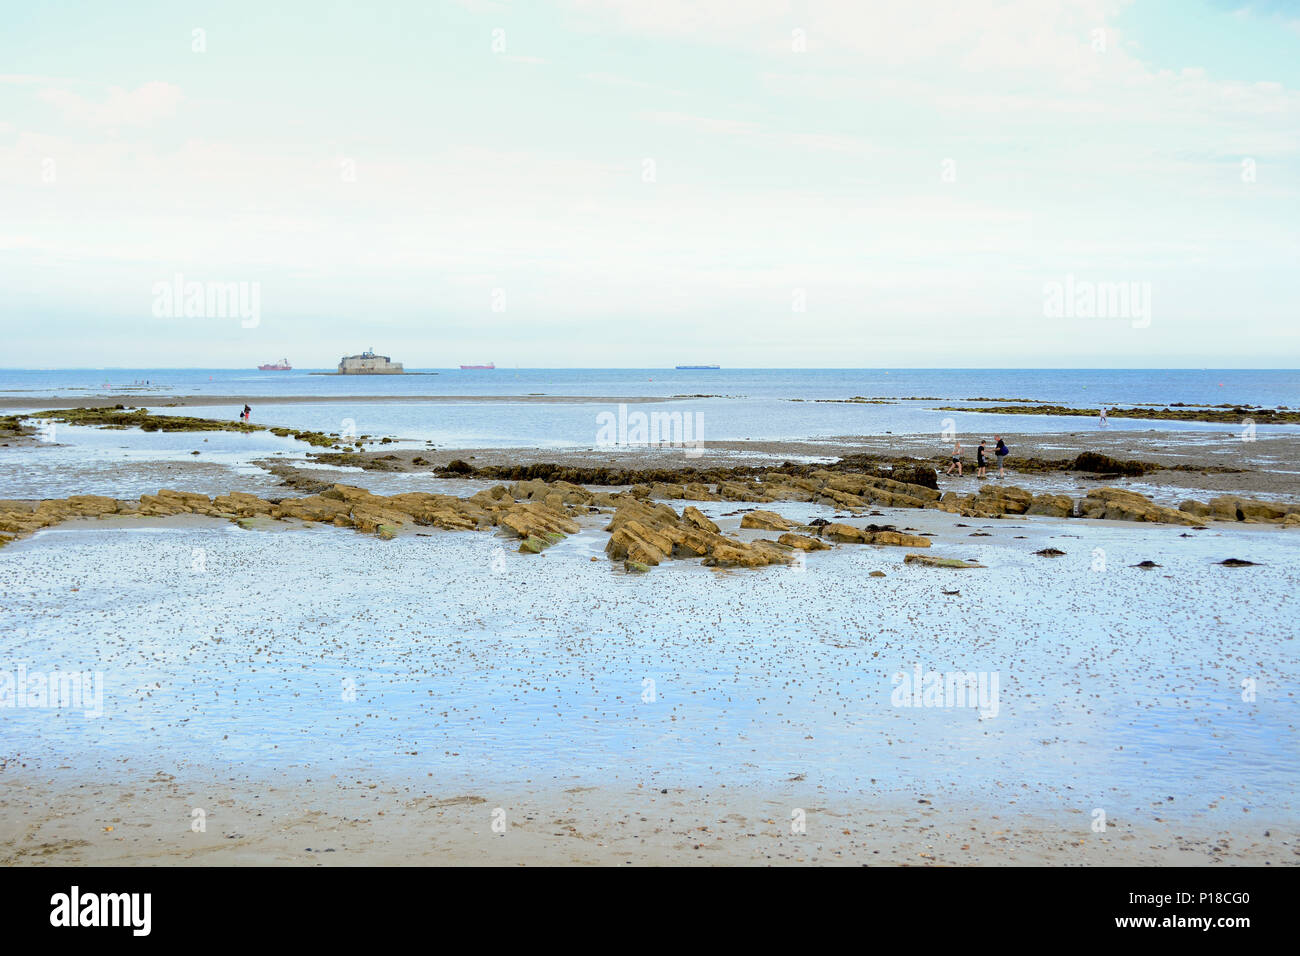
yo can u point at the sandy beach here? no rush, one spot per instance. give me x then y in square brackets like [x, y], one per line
[343, 822]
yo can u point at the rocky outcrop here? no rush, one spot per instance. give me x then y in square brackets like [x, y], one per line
[802, 542]
[644, 529]
[934, 561]
[1105, 465]
[1178, 411]
[1054, 506]
[1237, 508]
[633, 541]
[746, 491]
[694, 516]
[852, 535]
[698, 492]
[1004, 499]
[990, 501]
[242, 505]
[883, 492]
[533, 520]
[168, 502]
[766, 521]
[19, 518]
[651, 532]
[1122, 505]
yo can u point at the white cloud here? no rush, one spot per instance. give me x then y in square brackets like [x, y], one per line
[142, 106]
[611, 79]
[704, 124]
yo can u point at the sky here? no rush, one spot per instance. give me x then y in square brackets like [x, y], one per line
[578, 183]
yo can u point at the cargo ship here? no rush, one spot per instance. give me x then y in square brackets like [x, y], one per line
[697, 367]
[489, 365]
[280, 366]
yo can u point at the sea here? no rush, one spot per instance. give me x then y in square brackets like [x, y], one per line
[725, 404]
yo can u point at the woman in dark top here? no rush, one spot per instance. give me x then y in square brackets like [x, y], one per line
[1001, 451]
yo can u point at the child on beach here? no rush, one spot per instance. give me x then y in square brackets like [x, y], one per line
[248, 414]
[956, 459]
[1001, 451]
[980, 461]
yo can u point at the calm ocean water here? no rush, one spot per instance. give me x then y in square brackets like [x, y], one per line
[1056, 386]
[738, 404]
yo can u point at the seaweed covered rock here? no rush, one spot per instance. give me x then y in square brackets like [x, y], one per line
[1097, 463]
[924, 476]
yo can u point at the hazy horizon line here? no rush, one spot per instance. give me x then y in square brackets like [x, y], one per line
[669, 368]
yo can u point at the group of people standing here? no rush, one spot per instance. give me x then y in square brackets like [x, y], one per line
[1000, 451]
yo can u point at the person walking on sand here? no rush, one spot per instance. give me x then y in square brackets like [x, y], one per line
[1101, 419]
[1001, 451]
[956, 459]
[980, 462]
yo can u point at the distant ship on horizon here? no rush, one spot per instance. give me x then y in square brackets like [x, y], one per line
[488, 366]
[698, 366]
[280, 366]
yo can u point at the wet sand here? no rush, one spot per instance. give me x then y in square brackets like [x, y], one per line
[150, 821]
[515, 690]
